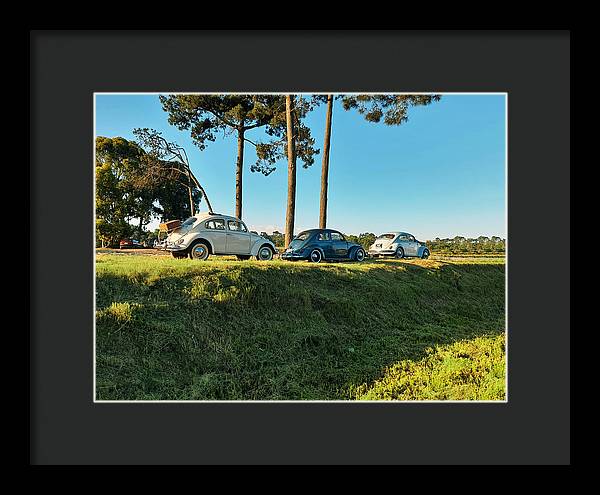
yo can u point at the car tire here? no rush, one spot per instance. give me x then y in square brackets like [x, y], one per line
[425, 254]
[265, 253]
[399, 253]
[243, 257]
[199, 251]
[359, 255]
[315, 256]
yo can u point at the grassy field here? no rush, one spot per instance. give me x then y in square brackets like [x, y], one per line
[171, 329]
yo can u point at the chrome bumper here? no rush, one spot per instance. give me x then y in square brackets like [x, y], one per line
[173, 247]
[291, 256]
[382, 252]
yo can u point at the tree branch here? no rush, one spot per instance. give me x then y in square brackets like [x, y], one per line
[221, 118]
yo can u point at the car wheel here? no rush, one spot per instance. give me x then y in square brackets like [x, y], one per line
[315, 256]
[199, 251]
[399, 253]
[265, 253]
[425, 254]
[359, 255]
[243, 257]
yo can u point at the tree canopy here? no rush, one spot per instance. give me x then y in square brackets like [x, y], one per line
[393, 109]
[208, 116]
[168, 162]
[127, 198]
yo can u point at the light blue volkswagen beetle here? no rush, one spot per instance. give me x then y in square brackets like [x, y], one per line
[399, 245]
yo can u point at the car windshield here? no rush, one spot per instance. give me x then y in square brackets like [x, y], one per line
[386, 236]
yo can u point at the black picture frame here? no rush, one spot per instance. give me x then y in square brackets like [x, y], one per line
[67, 427]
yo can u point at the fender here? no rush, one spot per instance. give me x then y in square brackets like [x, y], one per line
[261, 242]
[352, 250]
[199, 237]
[421, 249]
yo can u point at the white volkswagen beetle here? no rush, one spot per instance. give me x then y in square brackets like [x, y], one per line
[399, 245]
[205, 234]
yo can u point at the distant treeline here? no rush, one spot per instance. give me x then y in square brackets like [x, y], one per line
[466, 245]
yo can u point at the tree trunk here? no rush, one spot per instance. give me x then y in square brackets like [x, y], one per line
[291, 150]
[199, 186]
[191, 201]
[189, 172]
[325, 168]
[238, 173]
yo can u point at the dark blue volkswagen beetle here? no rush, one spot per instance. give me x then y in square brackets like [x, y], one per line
[322, 244]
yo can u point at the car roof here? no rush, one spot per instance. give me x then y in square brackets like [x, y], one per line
[205, 216]
[318, 230]
[395, 232]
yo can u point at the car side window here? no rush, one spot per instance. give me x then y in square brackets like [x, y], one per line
[411, 238]
[236, 226]
[216, 224]
[336, 236]
[323, 236]
[403, 237]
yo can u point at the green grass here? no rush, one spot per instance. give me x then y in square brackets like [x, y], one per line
[223, 329]
[466, 370]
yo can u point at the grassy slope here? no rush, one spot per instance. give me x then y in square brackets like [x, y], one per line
[466, 370]
[179, 329]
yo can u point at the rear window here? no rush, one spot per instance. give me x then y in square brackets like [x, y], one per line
[189, 221]
[386, 236]
[302, 236]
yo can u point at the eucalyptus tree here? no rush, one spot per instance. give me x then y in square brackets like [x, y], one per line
[298, 143]
[325, 165]
[392, 108]
[291, 154]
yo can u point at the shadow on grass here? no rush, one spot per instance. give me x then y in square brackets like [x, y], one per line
[281, 331]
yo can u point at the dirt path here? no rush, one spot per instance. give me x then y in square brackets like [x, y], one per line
[130, 252]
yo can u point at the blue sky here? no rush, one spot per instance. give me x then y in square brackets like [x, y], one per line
[440, 174]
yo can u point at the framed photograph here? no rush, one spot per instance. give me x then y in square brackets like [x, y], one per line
[231, 267]
[288, 268]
